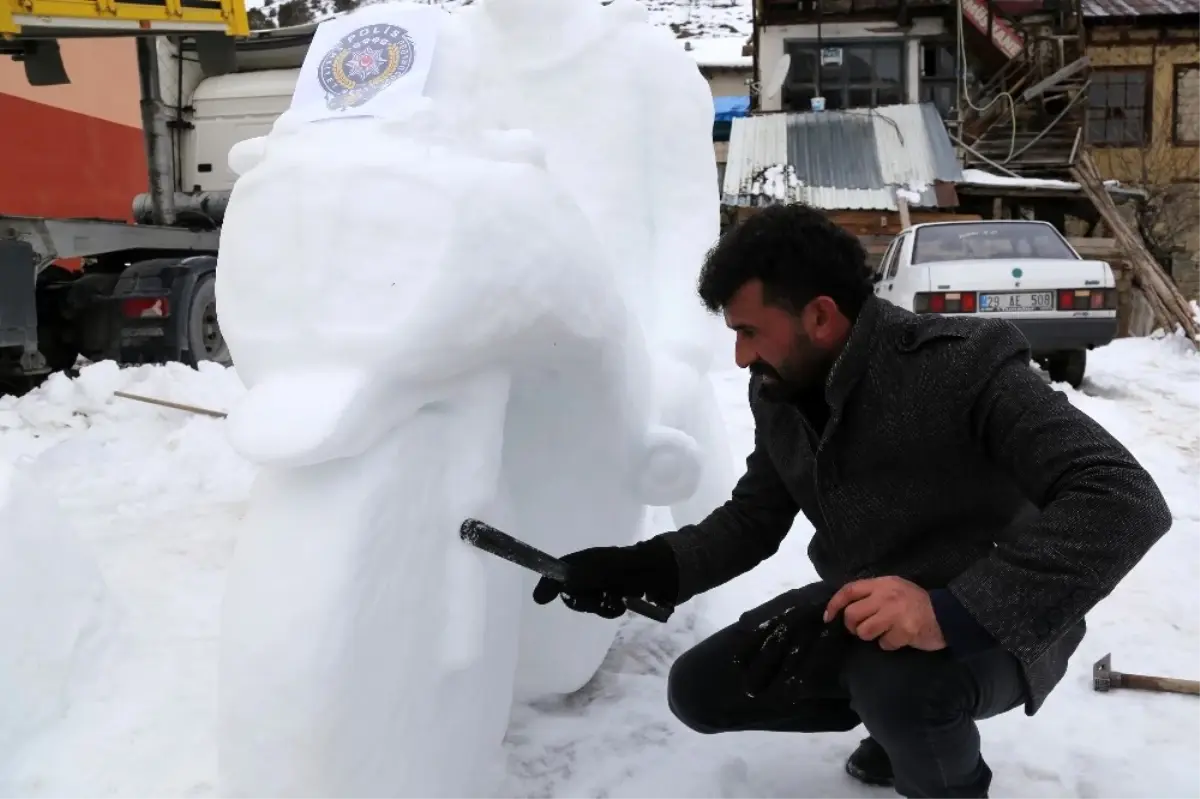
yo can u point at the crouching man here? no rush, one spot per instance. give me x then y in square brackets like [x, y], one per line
[966, 517]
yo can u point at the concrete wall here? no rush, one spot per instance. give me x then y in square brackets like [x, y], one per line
[728, 82]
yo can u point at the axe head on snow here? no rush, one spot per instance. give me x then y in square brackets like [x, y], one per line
[1104, 679]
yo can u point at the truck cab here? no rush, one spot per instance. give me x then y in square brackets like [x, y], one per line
[143, 290]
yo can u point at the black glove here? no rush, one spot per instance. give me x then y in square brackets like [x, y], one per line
[599, 578]
[788, 643]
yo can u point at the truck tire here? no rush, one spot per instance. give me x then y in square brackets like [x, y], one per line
[1068, 367]
[58, 341]
[205, 342]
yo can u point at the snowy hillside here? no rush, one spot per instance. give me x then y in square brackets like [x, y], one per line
[155, 496]
[687, 18]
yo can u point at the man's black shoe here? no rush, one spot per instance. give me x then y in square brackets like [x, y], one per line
[870, 764]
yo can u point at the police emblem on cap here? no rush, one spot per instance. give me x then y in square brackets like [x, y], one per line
[364, 63]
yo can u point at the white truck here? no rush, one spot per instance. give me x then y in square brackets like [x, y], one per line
[145, 292]
[1021, 271]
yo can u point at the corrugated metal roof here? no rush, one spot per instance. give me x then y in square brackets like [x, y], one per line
[1138, 8]
[855, 159]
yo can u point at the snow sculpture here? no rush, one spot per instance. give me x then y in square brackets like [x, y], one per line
[638, 158]
[54, 605]
[429, 329]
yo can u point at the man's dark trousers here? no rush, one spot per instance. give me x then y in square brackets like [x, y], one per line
[921, 707]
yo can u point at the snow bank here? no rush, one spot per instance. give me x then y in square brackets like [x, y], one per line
[52, 602]
[82, 435]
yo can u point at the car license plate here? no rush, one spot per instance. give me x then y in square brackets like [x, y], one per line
[1017, 301]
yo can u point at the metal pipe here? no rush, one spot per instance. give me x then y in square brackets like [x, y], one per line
[208, 206]
[157, 134]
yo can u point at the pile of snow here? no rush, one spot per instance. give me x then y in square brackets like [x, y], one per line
[115, 539]
[52, 609]
[83, 435]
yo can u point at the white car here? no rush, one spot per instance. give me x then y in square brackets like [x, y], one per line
[1021, 271]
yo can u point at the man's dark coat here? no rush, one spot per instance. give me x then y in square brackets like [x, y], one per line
[941, 448]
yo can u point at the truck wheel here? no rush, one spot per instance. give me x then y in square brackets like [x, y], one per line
[58, 340]
[1068, 367]
[205, 342]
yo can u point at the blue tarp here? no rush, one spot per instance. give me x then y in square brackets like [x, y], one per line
[726, 108]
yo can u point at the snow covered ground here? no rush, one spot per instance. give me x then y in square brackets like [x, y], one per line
[155, 495]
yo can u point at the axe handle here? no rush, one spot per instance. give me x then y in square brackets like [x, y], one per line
[1172, 685]
[483, 536]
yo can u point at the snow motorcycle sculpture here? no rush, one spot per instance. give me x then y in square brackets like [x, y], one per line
[450, 339]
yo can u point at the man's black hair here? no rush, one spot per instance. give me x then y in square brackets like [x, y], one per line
[797, 252]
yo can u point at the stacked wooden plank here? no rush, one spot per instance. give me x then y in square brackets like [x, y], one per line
[1170, 308]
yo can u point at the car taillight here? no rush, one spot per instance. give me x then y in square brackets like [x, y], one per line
[145, 307]
[1087, 299]
[946, 302]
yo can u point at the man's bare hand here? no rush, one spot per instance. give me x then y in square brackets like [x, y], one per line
[891, 610]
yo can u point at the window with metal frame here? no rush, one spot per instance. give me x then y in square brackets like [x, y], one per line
[939, 80]
[1185, 102]
[1119, 105]
[847, 74]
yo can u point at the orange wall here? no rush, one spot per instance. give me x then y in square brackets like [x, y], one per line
[73, 150]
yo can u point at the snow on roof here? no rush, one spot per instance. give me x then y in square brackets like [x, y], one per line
[722, 53]
[706, 19]
[852, 159]
[1098, 9]
[978, 177]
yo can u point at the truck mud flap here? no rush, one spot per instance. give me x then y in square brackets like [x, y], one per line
[18, 309]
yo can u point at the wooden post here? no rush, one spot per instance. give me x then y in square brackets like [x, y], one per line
[1170, 307]
[902, 207]
[173, 405]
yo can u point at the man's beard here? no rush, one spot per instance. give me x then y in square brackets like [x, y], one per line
[803, 371]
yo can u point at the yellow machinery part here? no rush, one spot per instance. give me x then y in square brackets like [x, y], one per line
[114, 17]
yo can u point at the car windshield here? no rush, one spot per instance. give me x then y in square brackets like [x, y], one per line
[989, 241]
